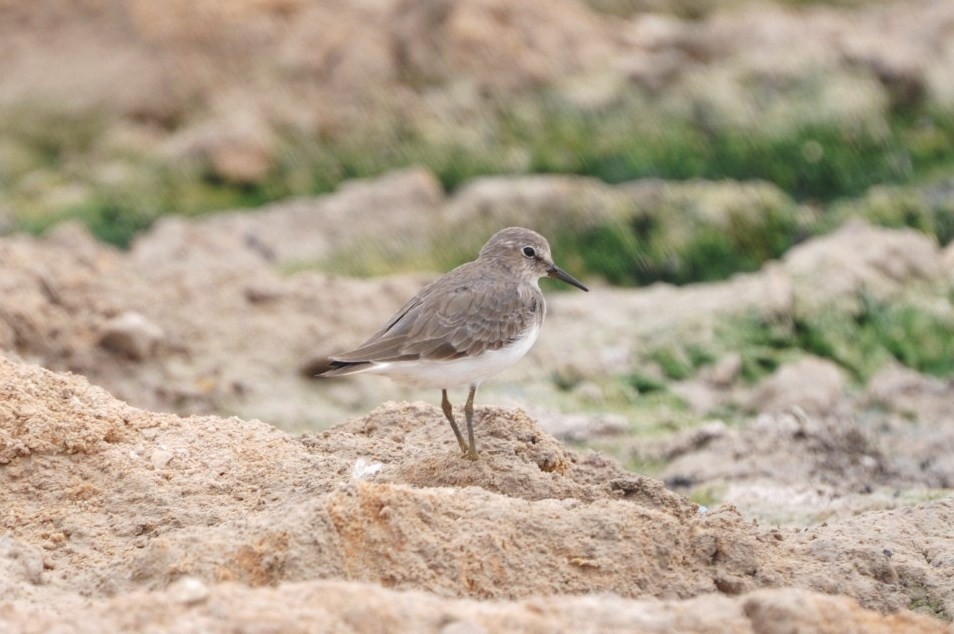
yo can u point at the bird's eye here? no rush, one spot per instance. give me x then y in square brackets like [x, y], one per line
[529, 252]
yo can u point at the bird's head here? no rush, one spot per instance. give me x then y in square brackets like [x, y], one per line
[527, 253]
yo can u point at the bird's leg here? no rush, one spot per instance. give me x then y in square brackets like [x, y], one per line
[449, 413]
[470, 454]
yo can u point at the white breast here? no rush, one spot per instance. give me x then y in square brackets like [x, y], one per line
[458, 372]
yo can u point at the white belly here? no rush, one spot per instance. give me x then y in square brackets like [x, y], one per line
[457, 372]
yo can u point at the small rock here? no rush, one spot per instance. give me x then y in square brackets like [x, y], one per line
[365, 469]
[131, 335]
[149, 433]
[189, 591]
[160, 458]
[726, 370]
[730, 584]
[463, 627]
[240, 160]
[238, 147]
[263, 294]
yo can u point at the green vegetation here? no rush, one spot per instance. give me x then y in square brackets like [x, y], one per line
[56, 164]
[645, 383]
[709, 495]
[918, 336]
[929, 209]
[923, 599]
[690, 232]
[679, 362]
[811, 161]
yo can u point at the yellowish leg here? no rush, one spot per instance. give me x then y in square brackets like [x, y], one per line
[449, 413]
[471, 453]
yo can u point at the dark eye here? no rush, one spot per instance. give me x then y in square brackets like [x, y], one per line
[529, 252]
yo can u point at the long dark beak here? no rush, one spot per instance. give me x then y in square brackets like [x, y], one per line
[560, 274]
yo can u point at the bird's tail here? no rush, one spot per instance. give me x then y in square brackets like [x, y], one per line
[327, 367]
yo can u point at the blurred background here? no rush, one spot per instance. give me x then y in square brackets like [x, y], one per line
[762, 194]
[118, 112]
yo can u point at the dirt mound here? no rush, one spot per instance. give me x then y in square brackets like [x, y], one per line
[101, 499]
[333, 606]
[519, 460]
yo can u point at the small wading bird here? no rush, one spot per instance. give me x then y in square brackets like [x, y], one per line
[465, 326]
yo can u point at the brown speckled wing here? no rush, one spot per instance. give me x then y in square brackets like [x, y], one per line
[462, 313]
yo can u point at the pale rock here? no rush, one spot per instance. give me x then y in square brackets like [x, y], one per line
[398, 209]
[237, 146]
[895, 383]
[160, 458]
[654, 57]
[149, 433]
[581, 427]
[700, 396]
[464, 627]
[726, 370]
[548, 204]
[131, 334]
[500, 44]
[653, 31]
[815, 385]
[189, 591]
[832, 271]
[240, 159]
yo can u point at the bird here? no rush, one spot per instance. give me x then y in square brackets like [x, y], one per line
[464, 327]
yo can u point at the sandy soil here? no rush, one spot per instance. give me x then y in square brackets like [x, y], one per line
[134, 518]
[119, 517]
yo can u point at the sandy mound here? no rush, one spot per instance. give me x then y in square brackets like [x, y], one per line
[138, 518]
[335, 606]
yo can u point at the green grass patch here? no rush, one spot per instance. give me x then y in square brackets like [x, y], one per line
[49, 135]
[637, 464]
[710, 495]
[762, 344]
[681, 361]
[636, 138]
[929, 209]
[924, 600]
[646, 383]
[632, 137]
[918, 336]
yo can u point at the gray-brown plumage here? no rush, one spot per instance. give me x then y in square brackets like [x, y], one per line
[465, 326]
